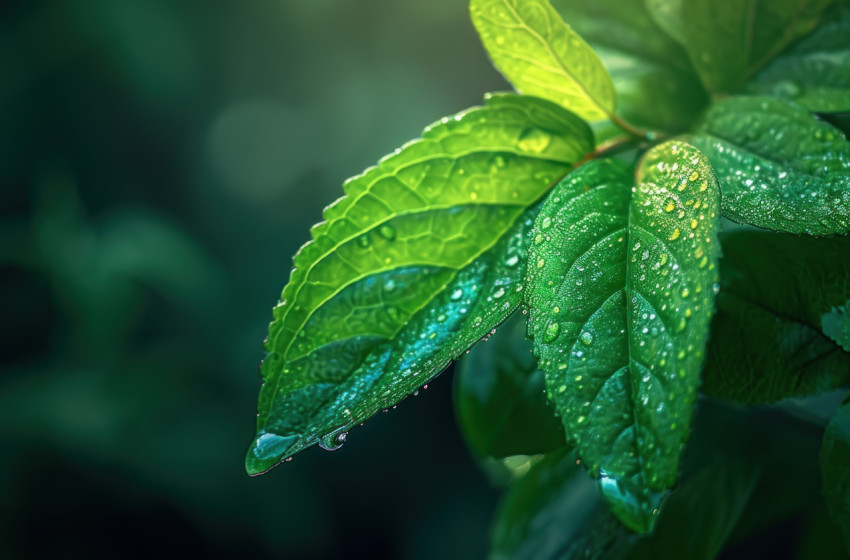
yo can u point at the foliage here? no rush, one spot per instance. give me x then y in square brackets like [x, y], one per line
[612, 239]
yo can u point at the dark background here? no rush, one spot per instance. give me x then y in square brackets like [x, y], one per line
[161, 160]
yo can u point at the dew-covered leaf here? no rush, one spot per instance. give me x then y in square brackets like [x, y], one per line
[619, 285]
[499, 397]
[779, 167]
[814, 73]
[729, 41]
[541, 55]
[767, 341]
[654, 82]
[421, 258]
[835, 469]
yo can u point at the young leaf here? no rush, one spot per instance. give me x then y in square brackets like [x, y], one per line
[655, 84]
[766, 338]
[779, 168]
[619, 285]
[729, 41]
[499, 399]
[541, 55]
[815, 73]
[835, 468]
[421, 258]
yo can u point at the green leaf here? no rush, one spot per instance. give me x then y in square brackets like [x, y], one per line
[541, 55]
[499, 397]
[835, 468]
[730, 41]
[779, 167]
[421, 259]
[836, 325]
[654, 82]
[766, 338]
[554, 513]
[815, 73]
[619, 285]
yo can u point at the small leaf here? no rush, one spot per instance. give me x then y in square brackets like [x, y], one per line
[729, 41]
[541, 55]
[766, 338]
[619, 285]
[499, 397]
[835, 469]
[815, 73]
[836, 325]
[421, 259]
[779, 168]
[655, 84]
[554, 512]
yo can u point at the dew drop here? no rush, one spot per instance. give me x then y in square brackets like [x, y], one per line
[387, 232]
[586, 338]
[552, 332]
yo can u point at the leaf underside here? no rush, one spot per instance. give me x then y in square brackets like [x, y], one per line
[541, 55]
[421, 259]
[767, 341]
[620, 288]
[779, 167]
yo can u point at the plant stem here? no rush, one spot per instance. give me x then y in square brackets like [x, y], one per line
[631, 129]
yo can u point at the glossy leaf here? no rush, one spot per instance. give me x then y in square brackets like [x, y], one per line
[541, 55]
[766, 338]
[779, 167]
[620, 295]
[835, 469]
[730, 41]
[421, 258]
[555, 513]
[815, 73]
[499, 397]
[654, 82]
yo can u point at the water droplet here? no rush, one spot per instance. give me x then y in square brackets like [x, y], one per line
[363, 241]
[552, 332]
[392, 313]
[387, 232]
[333, 440]
[586, 338]
[534, 140]
[456, 294]
[546, 223]
[675, 234]
[541, 262]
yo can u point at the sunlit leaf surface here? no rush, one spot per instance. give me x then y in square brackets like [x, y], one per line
[422, 258]
[541, 55]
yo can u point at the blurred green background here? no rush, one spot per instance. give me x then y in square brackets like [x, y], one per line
[161, 161]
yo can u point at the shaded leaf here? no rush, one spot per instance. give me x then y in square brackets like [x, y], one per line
[619, 285]
[836, 325]
[421, 258]
[653, 79]
[835, 469]
[815, 73]
[766, 338]
[499, 397]
[779, 167]
[555, 513]
[729, 41]
[541, 55]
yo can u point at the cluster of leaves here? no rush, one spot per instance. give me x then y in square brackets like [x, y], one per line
[646, 140]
